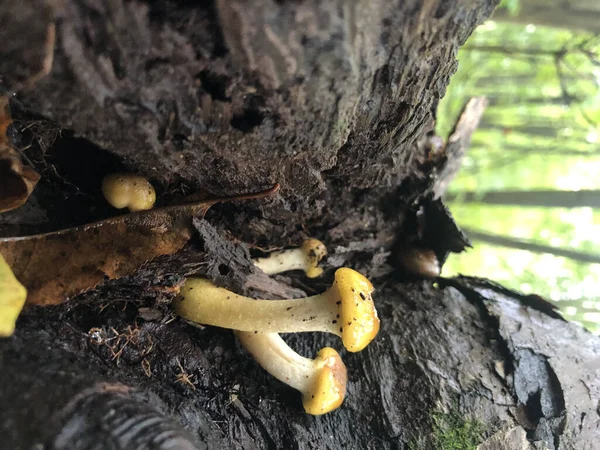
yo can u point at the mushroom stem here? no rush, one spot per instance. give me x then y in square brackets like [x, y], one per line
[305, 257]
[322, 381]
[345, 309]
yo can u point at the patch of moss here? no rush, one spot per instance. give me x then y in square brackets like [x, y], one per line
[453, 431]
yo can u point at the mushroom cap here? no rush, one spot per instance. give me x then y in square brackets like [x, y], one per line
[328, 390]
[127, 190]
[315, 251]
[143, 195]
[116, 190]
[421, 262]
[358, 322]
[12, 299]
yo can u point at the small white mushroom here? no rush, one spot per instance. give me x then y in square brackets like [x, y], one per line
[322, 381]
[305, 257]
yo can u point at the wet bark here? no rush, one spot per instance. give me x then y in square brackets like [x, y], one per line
[335, 101]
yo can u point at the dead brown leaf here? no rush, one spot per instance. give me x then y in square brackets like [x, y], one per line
[16, 181]
[56, 266]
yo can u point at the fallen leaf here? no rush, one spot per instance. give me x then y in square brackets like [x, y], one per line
[58, 265]
[16, 181]
[12, 299]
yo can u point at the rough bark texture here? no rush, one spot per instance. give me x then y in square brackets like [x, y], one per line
[334, 100]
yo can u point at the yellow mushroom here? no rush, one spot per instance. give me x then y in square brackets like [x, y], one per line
[345, 309]
[307, 257]
[12, 299]
[322, 381]
[124, 190]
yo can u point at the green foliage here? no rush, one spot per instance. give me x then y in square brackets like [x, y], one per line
[453, 431]
[541, 131]
[450, 431]
[512, 6]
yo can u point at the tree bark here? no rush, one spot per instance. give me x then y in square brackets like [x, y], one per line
[441, 352]
[334, 100]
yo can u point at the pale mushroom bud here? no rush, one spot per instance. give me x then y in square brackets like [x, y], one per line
[123, 190]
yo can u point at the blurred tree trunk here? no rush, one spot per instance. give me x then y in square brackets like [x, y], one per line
[539, 198]
[564, 151]
[510, 101]
[579, 15]
[521, 244]
[543, 131]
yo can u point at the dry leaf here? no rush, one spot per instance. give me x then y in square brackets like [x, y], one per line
[12, 299]
[16, 181]
[58, 265]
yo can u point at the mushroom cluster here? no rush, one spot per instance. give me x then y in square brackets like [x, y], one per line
[346, 309]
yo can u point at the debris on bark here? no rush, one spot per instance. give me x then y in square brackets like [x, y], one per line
[16, 180]
[109, 249]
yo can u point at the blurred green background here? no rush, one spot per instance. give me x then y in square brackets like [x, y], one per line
[541, 132]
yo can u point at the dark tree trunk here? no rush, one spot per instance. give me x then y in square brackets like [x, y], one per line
[334, 100]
